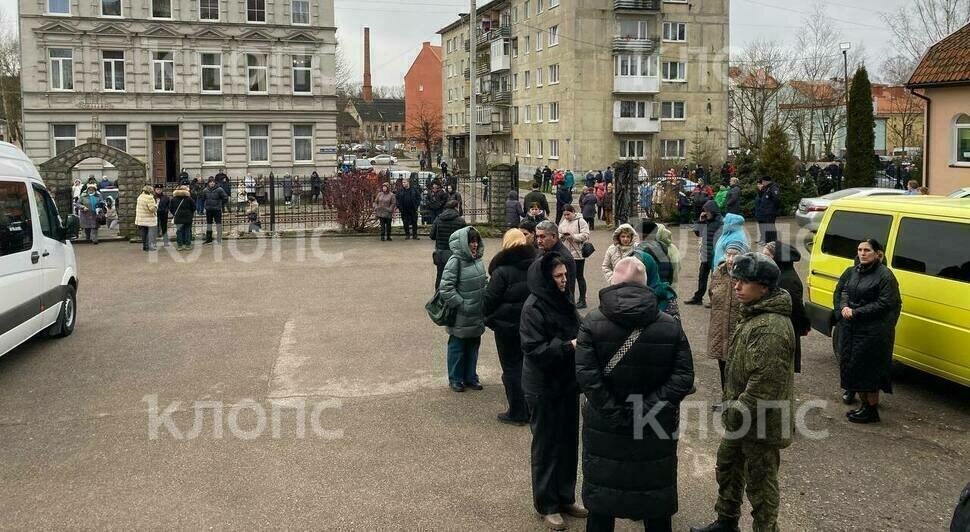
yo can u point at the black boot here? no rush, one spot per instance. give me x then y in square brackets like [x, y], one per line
[867, 414]
[848, 397]
[721, 525]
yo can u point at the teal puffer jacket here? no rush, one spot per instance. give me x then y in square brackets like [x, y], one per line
[463, 286]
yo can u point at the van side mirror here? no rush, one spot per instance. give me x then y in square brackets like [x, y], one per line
[71, 227]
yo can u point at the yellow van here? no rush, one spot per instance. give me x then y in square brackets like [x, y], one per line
[927, 242]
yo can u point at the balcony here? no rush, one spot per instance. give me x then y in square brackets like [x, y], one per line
[624, 125]
[482, 67]
[499, 97]
[636, 5]
[500, 62]
[467, 74]
[636, 84]
[497, 32]
[468, 46]
[501, 128]
[642, 46]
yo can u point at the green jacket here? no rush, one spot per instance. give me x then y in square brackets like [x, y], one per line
[760, 368]
[463, 286]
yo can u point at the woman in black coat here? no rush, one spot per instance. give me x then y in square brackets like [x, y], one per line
[548, 333]
[629, 472]
[785, 256]
[505, 294]
[867, 306]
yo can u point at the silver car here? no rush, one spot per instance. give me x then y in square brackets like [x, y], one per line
[810, 210]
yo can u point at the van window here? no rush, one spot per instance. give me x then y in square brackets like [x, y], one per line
[47, 213]
[16, 231]
[846, 229]
[934, 248]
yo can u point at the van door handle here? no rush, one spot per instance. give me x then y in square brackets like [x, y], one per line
[46, 253]
[34, 257]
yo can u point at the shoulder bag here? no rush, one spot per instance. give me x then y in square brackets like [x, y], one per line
[622, 351]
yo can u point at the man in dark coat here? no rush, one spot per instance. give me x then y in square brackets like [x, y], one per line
[732, 204]
[548, 334]
[505, 295]
[213, 199]
[536, 196]
[785, 256]
[408, 202]
[769, 206]
[547, 238]
[444, 225]
[162, 213]
[546, 179]
[630, 467]
[708, 228]
[564, 196]
[437, 199]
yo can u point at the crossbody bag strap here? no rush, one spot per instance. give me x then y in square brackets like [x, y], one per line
[622, 351]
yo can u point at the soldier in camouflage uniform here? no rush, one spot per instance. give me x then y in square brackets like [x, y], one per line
[758, 398]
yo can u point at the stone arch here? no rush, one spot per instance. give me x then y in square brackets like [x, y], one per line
[132, 176]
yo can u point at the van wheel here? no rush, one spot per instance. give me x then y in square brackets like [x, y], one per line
[64, 325]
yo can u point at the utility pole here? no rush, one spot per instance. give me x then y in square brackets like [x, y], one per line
[472, 100]
[845, 46]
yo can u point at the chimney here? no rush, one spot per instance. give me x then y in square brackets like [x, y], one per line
[368, 95]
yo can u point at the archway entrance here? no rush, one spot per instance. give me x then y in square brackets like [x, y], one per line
[132, 176]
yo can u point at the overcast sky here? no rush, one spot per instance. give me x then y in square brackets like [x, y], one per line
[399, 26]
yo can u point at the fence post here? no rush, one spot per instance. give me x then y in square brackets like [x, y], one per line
[272, 202]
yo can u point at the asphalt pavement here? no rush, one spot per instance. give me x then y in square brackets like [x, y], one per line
[299, 384]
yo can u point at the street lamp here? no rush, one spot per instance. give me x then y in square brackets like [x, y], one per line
[845, 46]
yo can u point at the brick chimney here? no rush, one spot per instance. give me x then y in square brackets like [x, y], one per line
[367, 92]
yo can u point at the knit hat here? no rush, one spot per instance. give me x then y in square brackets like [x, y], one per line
[740, 246]
[756, 268]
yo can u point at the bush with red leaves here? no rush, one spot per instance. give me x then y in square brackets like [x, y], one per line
[353, 199]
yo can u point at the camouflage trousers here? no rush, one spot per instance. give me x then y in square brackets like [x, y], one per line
[753, 466]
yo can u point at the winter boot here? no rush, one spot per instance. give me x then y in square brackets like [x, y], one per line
[721, 525]
[848, 397]
[867, 414]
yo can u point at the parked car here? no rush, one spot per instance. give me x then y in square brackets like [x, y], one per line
[926, 240]
[38, 270]
[960, 193]
[384, 159]
[363, 164]
[811, 210]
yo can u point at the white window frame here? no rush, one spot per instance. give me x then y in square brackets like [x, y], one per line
[158, 70]
[640, 108]
[115, 138]
[553, 38]
[55, 138]
[121, 8]
[554, 111]
[203, 67]
[538, 6]
[538, 77]
[250, 11]
[539, 107]
[218, 11]
[680, 144]
[515, 81]
[527, 79]
[262, 138]
[113, 65]
[61, 69]
[49, 11]
[632, 149]
[643, 30]
[527, 118]
[220, 138]
[528, 148]
[152, 10]
[308, 138]
[673, 30]
[960, 123]
[251, 70]
[309, 17]
[538, 153]
[681, 72]
[528, 45]
[635, 62]
[539, 35]
[553, 79]
[553, 3]
[309, 72]
[671, 106]
[553, 149]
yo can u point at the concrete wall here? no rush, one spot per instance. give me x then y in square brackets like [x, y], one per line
[943, 173]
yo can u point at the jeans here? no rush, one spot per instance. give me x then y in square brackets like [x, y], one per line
[91, 234]
[702, 275]
[213, 216]
[581, 278]
[200, 205]
[555, 450]
[605, 523]
[163, 231]
[385, 228]
[509, 346]
[147, 237]
[410, 219]
[463, 360]
[183, 235]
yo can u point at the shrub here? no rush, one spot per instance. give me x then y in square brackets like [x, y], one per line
[353, 199]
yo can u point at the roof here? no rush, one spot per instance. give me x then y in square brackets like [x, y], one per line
[345, 120]
[923, 205]
[435, 52]
[946, 62]
[462, 16]
[753, 79]
[894, 100]
[380, 110]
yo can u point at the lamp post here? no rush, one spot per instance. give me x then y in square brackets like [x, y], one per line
[845, 47]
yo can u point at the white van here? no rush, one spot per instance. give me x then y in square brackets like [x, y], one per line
[38, 271]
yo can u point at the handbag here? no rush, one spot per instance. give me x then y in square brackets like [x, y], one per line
[587, 250]
[622, 351]
[439, 311]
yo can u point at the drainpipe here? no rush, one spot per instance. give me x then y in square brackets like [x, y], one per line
[926, 137]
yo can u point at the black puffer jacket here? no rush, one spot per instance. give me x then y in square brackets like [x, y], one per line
[865, 343]
[785, 257]
[182, 207]
[508, 288]
[624, 476]
[444, 225]
[709, 231]
[549, 324]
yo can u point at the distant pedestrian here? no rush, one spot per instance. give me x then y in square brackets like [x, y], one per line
[463, 289]
[441, 230]
[574, 233]
[546, 179]
[89, 206]
[912, 188]
[241, 200]
[600, 191]
[408, 202]
[214, 197]
[384, 206]
[249, 186]
[785, 256]
[725, 309]
[535, 215]
[708, 228]
[732, 201]
[252, 216]
[287, 189]
[182, 208]
[547, 237]
[456, 196]
[608, 205]
[768, 207]
[587, 204]
[316, 186]
[513, 210]
[145, 217]
[197, 190]
[162, 213]
[437, 200]
[564, 197]
[536, 196]
[625, 240]
[297, 191]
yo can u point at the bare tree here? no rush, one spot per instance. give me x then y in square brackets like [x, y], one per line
[342, 73]
[10, 95]
[392, 92]
[896, 70]
[425, 125]
[921, 23]
[756, 82]
[905, 110]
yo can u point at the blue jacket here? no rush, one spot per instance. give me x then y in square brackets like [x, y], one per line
[731, 231]
[570, 179]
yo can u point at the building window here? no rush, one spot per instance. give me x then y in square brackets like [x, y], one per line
[528, 45]
[302, 143]
[209, 9]
[110, 8]
[553, 148]
[633, 109]
[528, 148]
[256, 73]
[672, 149]
[211, 72]
[258, 143]
[116, 136]
[301, 11]
[65, 137]
[527, 80]
[256, 10]
[633, 29]
[162, 8]
[515, 115]
[553, 74]
[553, 3]
[635, 65]
[539, 112]
[515, 81]
[113, 62]
[62, 69]
[528, 114]
[59, 7]
[675, 32]
[553, 111]
[554, 35]
[539, 77]
[674, 71]
[212, 143]
[526, 10]
[539, 41]
[631, 149]
[672, 110]
[962, 139]
[301, 73]
[538, 148]
[538, 6]
[163, 72]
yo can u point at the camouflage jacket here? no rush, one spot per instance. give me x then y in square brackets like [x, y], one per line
[759, 384]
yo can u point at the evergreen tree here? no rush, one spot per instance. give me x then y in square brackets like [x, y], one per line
[777, 162]
[860, 168]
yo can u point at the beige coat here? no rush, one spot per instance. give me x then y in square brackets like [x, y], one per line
[145, 210]
[578, 231]
[616, 252]
[725, 313]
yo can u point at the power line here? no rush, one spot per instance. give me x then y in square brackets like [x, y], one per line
[805, 13]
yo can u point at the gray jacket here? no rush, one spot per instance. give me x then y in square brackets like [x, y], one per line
[463, 286]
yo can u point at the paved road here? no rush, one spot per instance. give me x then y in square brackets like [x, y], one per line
[344, 331]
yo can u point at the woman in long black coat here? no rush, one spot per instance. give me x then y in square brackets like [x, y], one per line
[548, 333]
[505, 294]
[625, 475]
[785, 256]
[867, 306]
